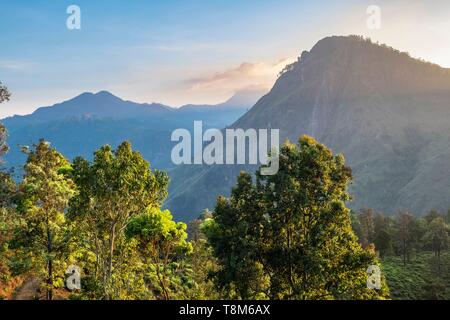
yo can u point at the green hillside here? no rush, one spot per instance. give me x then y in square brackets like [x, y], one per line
[419, 279]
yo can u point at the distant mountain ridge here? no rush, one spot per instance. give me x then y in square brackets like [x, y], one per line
[101, 104]
[84, 123]
[104, 104]
[388, 113]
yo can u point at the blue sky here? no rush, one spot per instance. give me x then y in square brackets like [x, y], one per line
[188, 51]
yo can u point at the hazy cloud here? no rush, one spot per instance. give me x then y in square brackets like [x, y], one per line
[247, 75]
[13, 65]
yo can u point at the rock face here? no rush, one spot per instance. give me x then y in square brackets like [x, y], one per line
[389, 114]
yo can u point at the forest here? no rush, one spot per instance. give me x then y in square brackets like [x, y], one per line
[286, 236]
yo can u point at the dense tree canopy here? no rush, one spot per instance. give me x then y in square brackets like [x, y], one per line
[286, 236]
[290, 236]
[160, 242]
[116, 186]
[437, 235]
[4, 96]
[4, 93]
[44, 196]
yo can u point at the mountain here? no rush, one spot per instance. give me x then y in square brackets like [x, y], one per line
[388, 113]
[81, 125]
[242, 99]
[88, 105]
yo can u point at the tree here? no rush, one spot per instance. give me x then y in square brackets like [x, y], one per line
[431, 215]
[7, 184]
[404, 230]
[44, 195]
[374, 228]
[8, 190]
[116, 186]
[204, 264]
[294, 229]
[237, 240]
[4, 96]
[366, 219]
[437, 235]
[193, 227]
[383, 242]
[8, 221]
[4, 93]
[161, 243]
[383, 234]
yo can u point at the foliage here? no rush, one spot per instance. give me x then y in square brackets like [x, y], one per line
[437, 235]
[4, 93]
[289, 236]
[419, 279]
[116, 186]
[4, 96]
[374, 228]
[412, 271]
[286, 236]
[161, 244]
[44, 233]
[235, 235]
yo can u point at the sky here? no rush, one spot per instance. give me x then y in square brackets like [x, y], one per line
[189, 51]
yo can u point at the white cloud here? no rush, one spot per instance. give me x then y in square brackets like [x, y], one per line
[13, 65]
[246, 75]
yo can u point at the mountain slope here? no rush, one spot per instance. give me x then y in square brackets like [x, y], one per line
[81, 125]
[388, 113]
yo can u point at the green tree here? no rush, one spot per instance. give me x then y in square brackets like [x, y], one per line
[237, 239]
[4, 96]
[367, 224]
[116, 186]
[373, 228]
[294, 229]
[162, 246]
[383, 234]
[44, 195]
[404, 231]
[204, 265]
[8, 190]
[437, 236]
[431, 215]
[383, 242]
[4, 93]
[193, 228]
[8, 221]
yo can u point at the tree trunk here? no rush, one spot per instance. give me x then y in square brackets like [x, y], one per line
[404, 253]
[49, 265]
[112, 238]
[50, 280]
[162, 283]
[111, 249]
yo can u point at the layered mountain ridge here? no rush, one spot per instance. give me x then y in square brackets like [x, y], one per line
[84, 123]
